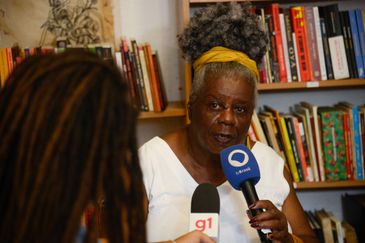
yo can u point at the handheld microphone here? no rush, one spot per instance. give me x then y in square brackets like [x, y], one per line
[205, 205]
[242, 172]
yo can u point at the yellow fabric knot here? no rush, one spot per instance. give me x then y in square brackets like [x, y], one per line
[223, 54]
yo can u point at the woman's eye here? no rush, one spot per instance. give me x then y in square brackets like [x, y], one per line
[241, 109]
[214, 105]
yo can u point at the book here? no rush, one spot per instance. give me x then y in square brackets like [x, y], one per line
[348, 143]
[273, 132]
[290, 44]
[356, 138]
[136, 61]
[146, 78]
[273, 56]
[318, 32]
[299, 27]
[356, 44]
[326, 49]
[285, 47]
[326, 225]
[257, 128]
[153, 77]
[317, 137]
[159, 80]
[302, 171]
[303, 148]
[330, 14]
[361, 30]
[315, 225]
[347, 35]
[273, 9]
[304, 114]
[333, 143]
[312, 43]
[349, 233]
[286, 142]
[127, 67]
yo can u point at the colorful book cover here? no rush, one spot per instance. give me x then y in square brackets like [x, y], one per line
[333, 144]
[299, 27]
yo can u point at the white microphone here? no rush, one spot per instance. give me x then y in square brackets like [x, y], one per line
[205, 206]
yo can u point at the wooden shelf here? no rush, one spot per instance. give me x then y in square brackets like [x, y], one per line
[328, 185]
[313, 85]
[174, 109]
[252, 1]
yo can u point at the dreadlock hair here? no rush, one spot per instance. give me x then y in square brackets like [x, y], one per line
[231, 25]
[68, 136]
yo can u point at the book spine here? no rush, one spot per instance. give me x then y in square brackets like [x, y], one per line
[297, 14]
[159, 80]
[361, 29]
[296, 56]
[318, 33]
[303, 149]
[302, 171]
[279, 42]
[347, 135]
[130, 74]
[288, 149]
[326, 49]
[338, 57]
[357, 139]
[285, 46]
[356, 44]
[154, 87]
[312, 44]
[139, 76]
[291, 48]
[346, 31]
[146, 79]
[274, 62]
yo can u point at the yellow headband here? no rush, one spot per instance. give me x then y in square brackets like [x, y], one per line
[223, 54]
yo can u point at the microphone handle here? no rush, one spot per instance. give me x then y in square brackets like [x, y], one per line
[250, 194]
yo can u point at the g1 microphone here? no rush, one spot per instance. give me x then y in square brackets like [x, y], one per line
[205, 205]
[242, 172]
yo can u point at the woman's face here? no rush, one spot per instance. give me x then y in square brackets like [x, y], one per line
[221, 113]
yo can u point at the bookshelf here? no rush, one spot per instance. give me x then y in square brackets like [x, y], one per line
[328, 185]
[303, 89]
[313, 85]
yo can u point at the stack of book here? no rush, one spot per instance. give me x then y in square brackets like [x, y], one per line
[140, 65]
[312, 43]
[329, 228]
[318, 143]
[12, 56]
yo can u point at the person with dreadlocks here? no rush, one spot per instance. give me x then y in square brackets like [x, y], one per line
[67, 128]
[225, 43]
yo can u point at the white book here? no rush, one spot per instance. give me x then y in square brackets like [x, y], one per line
[285, 45]
[338, 57]
[317, 27]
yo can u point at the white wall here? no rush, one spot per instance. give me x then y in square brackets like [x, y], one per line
[155, 21]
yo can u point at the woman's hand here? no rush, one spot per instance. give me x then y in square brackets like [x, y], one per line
[194, 237]
[273, 219]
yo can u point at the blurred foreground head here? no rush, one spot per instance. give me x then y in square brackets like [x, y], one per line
[67, 130]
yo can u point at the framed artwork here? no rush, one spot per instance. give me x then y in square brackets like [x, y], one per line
[44, 22]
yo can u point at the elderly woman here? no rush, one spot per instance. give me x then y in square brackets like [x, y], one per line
[225, 42]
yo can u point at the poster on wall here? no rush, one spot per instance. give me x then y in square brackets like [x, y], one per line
[44, 22]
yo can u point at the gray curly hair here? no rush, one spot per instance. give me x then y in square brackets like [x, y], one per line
[233, 26]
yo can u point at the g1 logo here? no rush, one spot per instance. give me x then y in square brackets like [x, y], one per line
[203, 224]
[235, 162]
